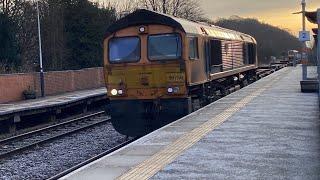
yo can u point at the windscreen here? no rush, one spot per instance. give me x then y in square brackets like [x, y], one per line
[124, 49]
[164, 47]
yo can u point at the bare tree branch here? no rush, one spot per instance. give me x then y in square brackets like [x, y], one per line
[188, 9]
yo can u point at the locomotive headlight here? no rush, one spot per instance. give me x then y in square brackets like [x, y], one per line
[114, 92]
[170, 90]
[120, 92]
[142, 29]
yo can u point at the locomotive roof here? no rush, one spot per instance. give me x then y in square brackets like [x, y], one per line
[147, 17]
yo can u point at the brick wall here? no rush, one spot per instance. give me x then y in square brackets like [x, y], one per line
[56, 82]
[12, 86]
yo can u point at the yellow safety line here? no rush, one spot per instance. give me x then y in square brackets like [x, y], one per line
[158, 161]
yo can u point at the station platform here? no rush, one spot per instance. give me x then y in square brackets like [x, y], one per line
[267, 130]
[50, 101]
[13, 112]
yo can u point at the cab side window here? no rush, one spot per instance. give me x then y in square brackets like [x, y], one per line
[193, 48]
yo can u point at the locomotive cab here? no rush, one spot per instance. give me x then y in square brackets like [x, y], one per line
[146, 77]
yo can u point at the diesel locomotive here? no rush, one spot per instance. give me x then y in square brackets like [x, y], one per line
[159, 68]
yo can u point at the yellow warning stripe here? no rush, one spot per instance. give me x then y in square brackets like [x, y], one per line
[158, 161]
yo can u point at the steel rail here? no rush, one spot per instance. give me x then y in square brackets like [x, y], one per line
[50, 127]
[47, 140]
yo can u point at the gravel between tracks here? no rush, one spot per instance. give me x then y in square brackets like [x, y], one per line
[50, 159]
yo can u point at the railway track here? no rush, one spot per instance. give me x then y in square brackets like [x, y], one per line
[68, 171]
[20, 143]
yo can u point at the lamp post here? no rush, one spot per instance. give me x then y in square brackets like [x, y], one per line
[40, 53]
[304, 62]
[303, 3]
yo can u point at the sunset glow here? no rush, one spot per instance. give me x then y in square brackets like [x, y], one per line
[274, 12]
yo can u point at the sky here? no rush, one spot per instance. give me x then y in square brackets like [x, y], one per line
[274, 12]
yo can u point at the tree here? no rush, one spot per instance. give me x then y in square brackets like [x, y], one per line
[72, 34]
[272, 41]
[122, 8]
[27, 36]
[54, 41]
[8, 45]
[84, 26]
[21, 14]
[11, 8]
[187, 9]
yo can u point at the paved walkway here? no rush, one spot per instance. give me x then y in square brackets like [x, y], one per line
[275, 136]
[268, 130]
[50, 101]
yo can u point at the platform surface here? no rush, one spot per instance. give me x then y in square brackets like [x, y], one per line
[267, 130]
[50, 101]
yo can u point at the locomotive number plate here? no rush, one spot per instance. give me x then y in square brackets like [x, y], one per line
[175, 77]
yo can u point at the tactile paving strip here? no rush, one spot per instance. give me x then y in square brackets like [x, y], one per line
[157, 162]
